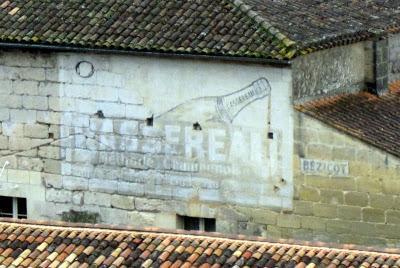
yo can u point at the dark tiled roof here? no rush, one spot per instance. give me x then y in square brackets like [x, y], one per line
[197, 27]
[35, 244]
[317, 24]
[247, 28]
[366, 116]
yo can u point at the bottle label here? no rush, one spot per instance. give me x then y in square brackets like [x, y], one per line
[229, 106]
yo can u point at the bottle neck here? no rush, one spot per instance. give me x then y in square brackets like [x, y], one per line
[230, 105]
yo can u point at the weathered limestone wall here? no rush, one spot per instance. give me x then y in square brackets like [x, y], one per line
[345, 190]
[394, 57]
[20, 166]
[136, 140]
[87, 145]
[340, 69]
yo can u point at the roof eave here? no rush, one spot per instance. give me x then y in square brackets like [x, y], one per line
[210, 57]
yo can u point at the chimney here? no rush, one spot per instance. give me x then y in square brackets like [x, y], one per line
[381, 66]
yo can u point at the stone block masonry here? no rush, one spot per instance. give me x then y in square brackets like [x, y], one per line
[394, 57]
[357, 208]
[121, 146]
[381, 66]
[134, 143]
[51, 122]
[331, 71]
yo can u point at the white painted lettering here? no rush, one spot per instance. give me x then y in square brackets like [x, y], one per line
[172, 134]
[239, 146]
[215, 145]
[256, 147]
[193, 143]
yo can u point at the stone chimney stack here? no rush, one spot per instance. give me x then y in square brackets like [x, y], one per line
[381, 66]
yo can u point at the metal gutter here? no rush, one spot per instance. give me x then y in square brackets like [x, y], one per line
[278, 63]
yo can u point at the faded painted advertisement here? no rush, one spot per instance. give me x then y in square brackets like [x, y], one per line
[210, 147]
[211, 140]
[133, 127]
[199, 139]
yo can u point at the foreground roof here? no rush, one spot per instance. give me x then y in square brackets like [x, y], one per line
[33, 244]
[246, 28]
[366, 116]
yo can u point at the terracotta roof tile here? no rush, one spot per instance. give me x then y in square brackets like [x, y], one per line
[203, 27]
[125, 247]
[315, 24]
[365, 116]
[246, 28]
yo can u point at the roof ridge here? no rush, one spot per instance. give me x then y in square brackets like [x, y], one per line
[290, 45]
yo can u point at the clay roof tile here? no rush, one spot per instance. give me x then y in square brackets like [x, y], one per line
[362, 115]
[184, 250]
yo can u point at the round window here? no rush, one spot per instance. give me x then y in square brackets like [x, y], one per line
[84, 69]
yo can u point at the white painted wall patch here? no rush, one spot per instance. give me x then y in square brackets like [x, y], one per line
[4, 166]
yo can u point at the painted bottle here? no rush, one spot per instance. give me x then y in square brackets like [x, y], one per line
[219, 108]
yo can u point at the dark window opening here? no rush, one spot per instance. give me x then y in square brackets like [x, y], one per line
[100, 114]
[196, 126]
[197, 224]
[22, 209]
[6, 207]
[150, 121]
[13, 207]
[209, 225]
[190, 223]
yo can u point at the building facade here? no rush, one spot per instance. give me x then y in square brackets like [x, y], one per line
[261, 147]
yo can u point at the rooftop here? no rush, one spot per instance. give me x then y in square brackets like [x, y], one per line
[32, 244]
[270, 29]
[366, 116]
[317, 24]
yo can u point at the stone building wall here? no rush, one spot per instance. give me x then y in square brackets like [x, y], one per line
[133, 140]
[332, 71]
[75, 140]
[394, 57]
[345, 190]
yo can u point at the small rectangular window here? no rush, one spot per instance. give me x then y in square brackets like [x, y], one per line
[197, 224]
[6, 207]
[22, 209]
[13, 207]
[191, 223]
[209, 225]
